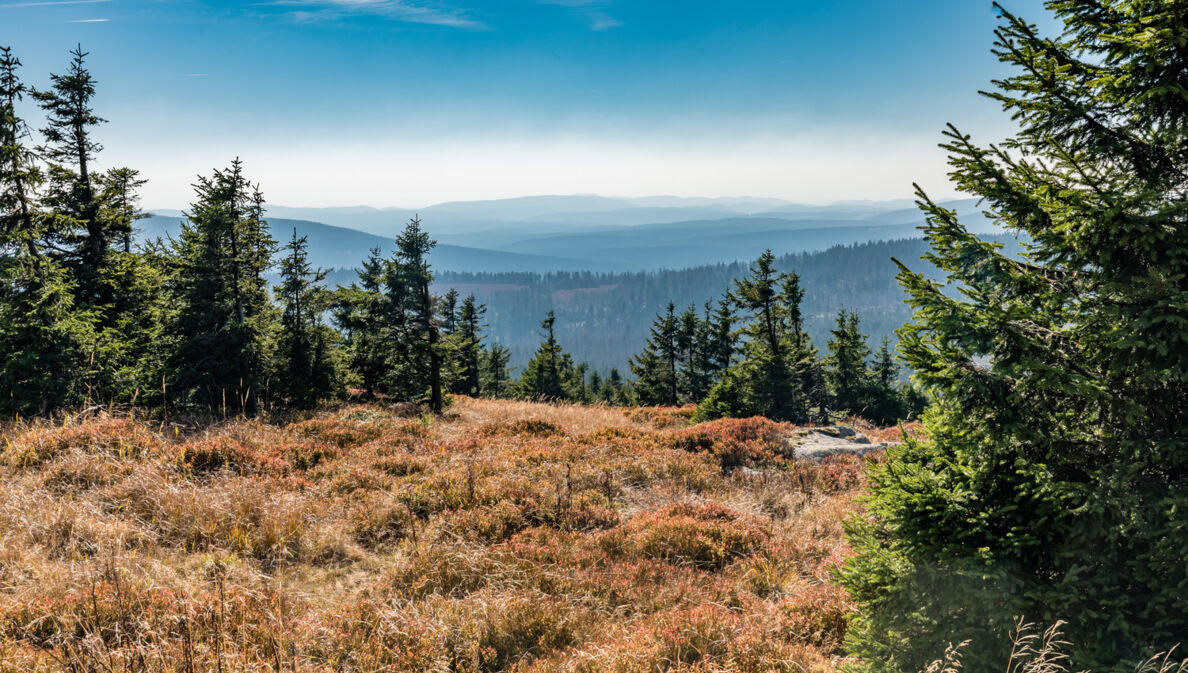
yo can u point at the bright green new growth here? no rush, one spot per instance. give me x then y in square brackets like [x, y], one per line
[1054, 481]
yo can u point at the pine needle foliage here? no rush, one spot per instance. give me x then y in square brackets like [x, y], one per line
[306, 366]
[226, 320]
[1054, 480]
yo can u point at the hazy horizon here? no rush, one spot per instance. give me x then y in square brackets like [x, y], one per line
[778, 202]
[334, 103]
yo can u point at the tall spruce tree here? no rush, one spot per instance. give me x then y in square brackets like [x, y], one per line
[547, 373]
[43, 335]
[225, 320]
[887, 400]
[364, 315]
[1054, 480]
[494, 366]
[655, 369]
[420, 347]
[846, 370]
[718, 342]
[469, 352]
[118, 203]
[70, 149]
[697, 343]
[306, 372]
[449, 312]
[776, 354]
[20, 223]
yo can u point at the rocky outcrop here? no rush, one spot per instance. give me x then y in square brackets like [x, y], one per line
[818, 443]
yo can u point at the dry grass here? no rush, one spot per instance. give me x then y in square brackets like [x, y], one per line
[505, 536]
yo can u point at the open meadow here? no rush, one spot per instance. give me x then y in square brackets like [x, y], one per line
[502, 536]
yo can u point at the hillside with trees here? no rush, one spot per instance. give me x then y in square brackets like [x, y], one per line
[605, 316]
[216, 455]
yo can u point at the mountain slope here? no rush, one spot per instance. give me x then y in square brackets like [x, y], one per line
[338, 247]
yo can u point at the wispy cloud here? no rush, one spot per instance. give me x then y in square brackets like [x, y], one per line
[594, 11]
[49, 3]
[87, 21]
[409, 11]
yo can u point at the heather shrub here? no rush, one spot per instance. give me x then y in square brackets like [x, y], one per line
[118, 437]
[453, 570]
[703, 535]
[401, 465]
[494, 523]
[341, 432]
[240, 514]
[380, 519]
[534, 427]
[816, 615]
[749, 442]
[76, 471]
[664, 418]
[222, 452]
[832, 474]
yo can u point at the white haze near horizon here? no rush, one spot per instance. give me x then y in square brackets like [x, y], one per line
[400, 173]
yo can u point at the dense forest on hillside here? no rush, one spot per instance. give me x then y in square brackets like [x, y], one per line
[605, 316]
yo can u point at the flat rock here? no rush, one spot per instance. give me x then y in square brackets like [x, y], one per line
[818, 443]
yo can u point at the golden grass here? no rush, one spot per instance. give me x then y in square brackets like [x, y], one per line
[503, 536]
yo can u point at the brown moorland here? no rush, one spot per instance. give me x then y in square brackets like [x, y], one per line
[504, 536]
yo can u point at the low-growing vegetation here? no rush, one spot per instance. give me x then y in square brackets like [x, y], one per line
[503, 536]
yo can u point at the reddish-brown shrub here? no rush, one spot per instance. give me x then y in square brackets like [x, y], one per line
[534, 427]
[736, 442]
[816, 615]
[120, 437]
[706, 536]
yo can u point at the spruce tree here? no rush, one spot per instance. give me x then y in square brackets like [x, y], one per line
[469, 336]
[846, 371]
[494, 366]
[43, 335]
[576, 385]
[718, 343]
[305, 346]
[225, 319]
[118, 203]
[135, 343]
[655, 369]
[887, 401]
[20, 223]
[770, 378]
[616, 389]
[364, 315]
[1053, 483]
[698, 372]
[546, 374]
[449, 312]
[597, 393]
[420, 347]
[70, 149]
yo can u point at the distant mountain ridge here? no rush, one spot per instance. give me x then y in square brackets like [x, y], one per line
[341, 248]
[595, 233]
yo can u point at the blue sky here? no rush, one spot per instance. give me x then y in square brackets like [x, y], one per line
[410, 102]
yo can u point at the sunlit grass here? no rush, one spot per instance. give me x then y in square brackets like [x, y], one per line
[501, 536]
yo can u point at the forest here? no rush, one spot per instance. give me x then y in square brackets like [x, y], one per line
[605, 316]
